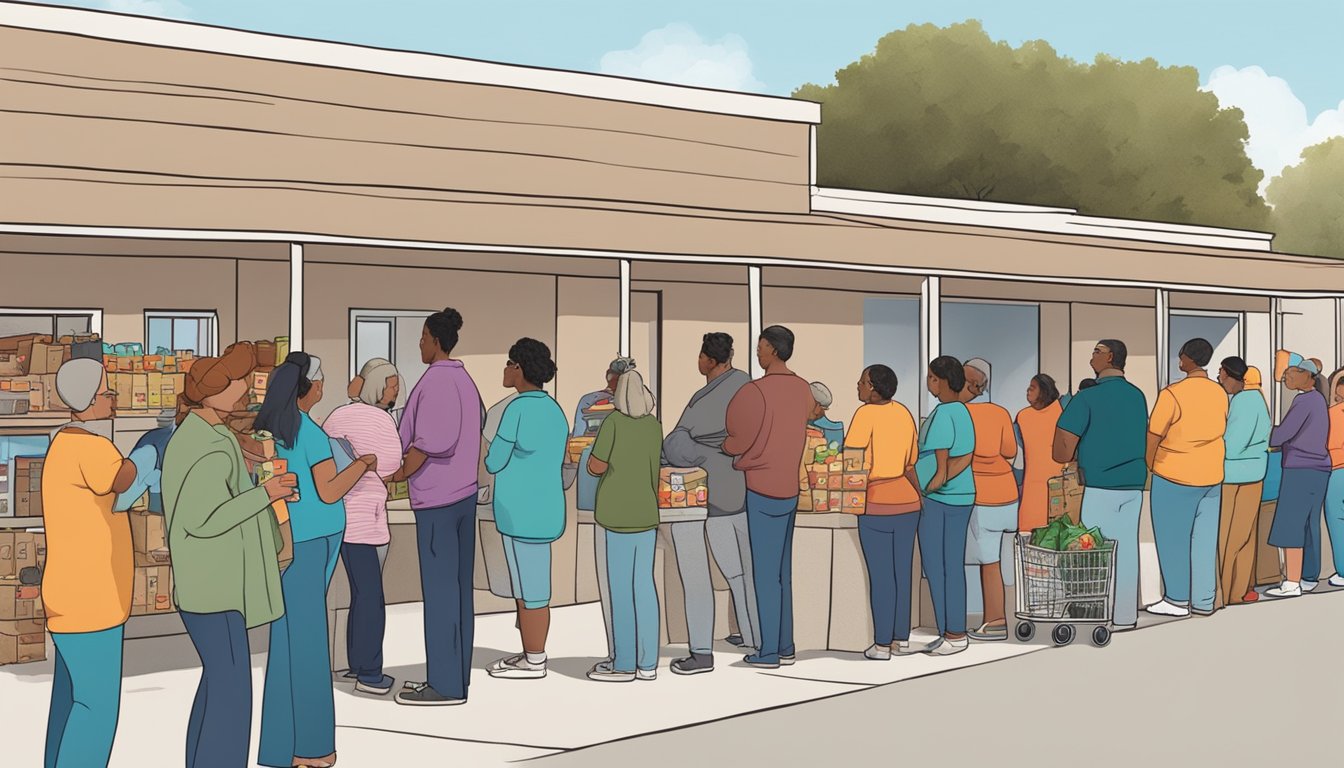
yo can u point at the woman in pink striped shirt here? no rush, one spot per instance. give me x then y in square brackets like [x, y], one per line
[368, 426]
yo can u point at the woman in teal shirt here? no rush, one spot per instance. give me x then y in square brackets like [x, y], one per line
[946, 448]
[298, 711]
[526, 456]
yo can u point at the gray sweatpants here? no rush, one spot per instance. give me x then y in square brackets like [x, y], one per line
[727, 540]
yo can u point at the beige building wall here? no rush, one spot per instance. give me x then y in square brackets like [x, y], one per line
[1056, 350]
[828, 331]
[263, 301]
[1136, 326]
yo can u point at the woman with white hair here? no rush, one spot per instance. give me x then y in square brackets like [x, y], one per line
[366, 425]
[298, 711]
[627, 510]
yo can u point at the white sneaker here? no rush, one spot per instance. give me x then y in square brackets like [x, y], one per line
[516, 668]
[1286, 589]
[1308, 586]
[905, 648]
[1336, 581]
[1165, 608]
[947, 647]
[877, 653]
[646, 674]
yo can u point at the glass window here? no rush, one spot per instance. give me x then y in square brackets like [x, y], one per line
[194, 331]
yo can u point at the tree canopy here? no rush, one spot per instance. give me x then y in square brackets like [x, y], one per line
[948, 112]
[1308, 202]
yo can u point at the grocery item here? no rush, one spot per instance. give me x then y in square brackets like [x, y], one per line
[682, 487]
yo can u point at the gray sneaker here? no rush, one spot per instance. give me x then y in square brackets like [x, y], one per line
[695, 664]
[422, 695]
[878, 653]
[987, 633]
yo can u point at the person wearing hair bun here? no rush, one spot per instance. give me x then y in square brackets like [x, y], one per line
[1247, 441]
[526, 457]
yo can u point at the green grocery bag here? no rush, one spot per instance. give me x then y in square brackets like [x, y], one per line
[1049, 536]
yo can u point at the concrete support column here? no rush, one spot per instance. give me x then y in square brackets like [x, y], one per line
[295, 297]
[930, 333]
[754, 302]
[625, 308]
[1163, 339]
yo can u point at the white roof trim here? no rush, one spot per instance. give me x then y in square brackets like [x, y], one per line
[313, 239]
[1064, 221]
[200, 37]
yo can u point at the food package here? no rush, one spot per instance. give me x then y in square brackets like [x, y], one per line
[149, 539]
[152, 590]
[281, 348]
[682, 487]
[47, 358]
[259, 381]
[139, 391]
[266, 354]
[835, 481]
[398, 491]
[854, 502]
[576, 446]
[265, 442]
[855, 481]
[11, 364]
[1065, 495]
[23, 641]
[20, 601]
[821, 501]
[155, 391]
[19, 550]
[836, 500]
[854, 459]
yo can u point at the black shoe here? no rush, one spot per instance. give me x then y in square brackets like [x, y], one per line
[735, 640]
[696, 664]
[349, 674]
[380, 687]
[422, 695]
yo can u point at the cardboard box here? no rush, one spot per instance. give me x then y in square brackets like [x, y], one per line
[835, 481]
[154, 396]
[23, 649]
[12, 364]
[149, 535]
[19, 550]
[18, 601]
[139, 392]
[1065, 494]
[152, 591]
[47, 358]
[836, 500]
[37, 394]
[855, 481]
[682, 487]
[51, 399]
[821, 501]
[854, 502]
[854, 459]
[260, 379]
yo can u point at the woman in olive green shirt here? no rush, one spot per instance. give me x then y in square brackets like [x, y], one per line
[224, 541]
[627, 510]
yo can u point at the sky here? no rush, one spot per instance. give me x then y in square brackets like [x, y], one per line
[1278, 61]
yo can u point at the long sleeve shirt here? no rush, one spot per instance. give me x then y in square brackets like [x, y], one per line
[1247, 438]
[1303, 433]
[443, 421]
[767, 430]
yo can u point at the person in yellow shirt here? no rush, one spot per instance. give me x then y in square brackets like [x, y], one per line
[1186, 454]
[889, 525]
[86, 587]
[994, 517]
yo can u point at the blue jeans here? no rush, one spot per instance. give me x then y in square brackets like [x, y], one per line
[942, 546]
[219, 731]
[85, 698]
[1116, 513]
[1311, 552]
[368, 612]
[1185, 529]
[447, 542]
[634, 601]
[1334, 517]
[298, 709]
[888, 543]
[770, 528]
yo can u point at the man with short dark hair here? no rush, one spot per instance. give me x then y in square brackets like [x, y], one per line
[697, 441]
[1103, 429]
[1186, 454]
[767, 430]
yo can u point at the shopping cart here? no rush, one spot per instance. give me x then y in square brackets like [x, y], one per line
[1064, 589]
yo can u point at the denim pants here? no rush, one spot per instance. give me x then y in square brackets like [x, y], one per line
[634, 600]
[1334, 518]
[367, 622]
[770, 527]
[1185, 529]
[727, 538]
[888, 543]
[446, 537]
[219, 731]
[85, 698]
[298, 708]
[942, 547]
[1116, 513]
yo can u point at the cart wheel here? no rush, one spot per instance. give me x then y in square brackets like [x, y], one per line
[1025, 631]
[1101, 637]
[1063, 634]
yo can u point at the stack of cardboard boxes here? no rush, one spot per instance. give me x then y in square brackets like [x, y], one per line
[22, 617]
[146, 382]
[833, 478]
[27, 486]
[152, 588]
[28, 367]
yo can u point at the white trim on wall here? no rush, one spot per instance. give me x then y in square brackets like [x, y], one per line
[930, 330]
[295, 297]
[625, 308]
[754, 299]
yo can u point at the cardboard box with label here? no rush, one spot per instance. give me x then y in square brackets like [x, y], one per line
[19, 550]
[22, 641]
[155, 391]
[1065, 496]
[20, 601]
[152, 591]
[149, 539]
[682, 487]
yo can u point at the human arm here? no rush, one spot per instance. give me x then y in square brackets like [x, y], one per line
[1165, 413]
[125, 477]
[599, 459]
[207, 506]
[1008, 440]
[1292, 423]
[1065, 448]
[506, 437]
[1069, 430]
[1240, 431]
[103, 468]
[332, 486]
[746, 411]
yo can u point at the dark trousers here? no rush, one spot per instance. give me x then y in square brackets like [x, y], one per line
[367, 622]
[770, 529]
[888, 543]
[447, 542]
[1311, 551]
[942, 547]
[219, 731]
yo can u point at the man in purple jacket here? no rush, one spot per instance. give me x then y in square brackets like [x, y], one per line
[441, 435]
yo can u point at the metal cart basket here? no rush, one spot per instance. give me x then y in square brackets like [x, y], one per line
[1064, 589]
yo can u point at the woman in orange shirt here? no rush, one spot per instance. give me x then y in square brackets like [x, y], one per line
[1036, 424]
[1334, 492]
[994, 516]
[889, 524]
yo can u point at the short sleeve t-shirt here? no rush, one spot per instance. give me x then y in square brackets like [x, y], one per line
[526, 456]
[1191, 417]
[948, 428]
[995, 444]
[627, 495]
[86, 586]
[310, 517]
[888, 433]
[1110, 422]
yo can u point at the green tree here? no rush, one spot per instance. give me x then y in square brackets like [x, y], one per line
[948, 112]
[1308, 200]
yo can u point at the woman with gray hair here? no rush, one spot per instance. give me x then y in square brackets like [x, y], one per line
[627, 510]
[366, 425]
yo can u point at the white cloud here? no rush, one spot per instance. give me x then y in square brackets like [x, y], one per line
[168, 9]
[1277, 119]
[677, 53]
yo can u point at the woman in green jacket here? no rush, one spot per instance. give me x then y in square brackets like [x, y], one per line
[224, 541]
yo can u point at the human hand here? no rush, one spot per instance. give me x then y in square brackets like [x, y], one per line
[370, 462]
[281, 487]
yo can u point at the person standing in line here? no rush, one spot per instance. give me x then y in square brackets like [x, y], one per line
[86, 587]
[767, 431]
[526, 456]
[989, 543]
[1247, 441]
[1036, 425]
[627, 511]
[889, 526]
[1185, 454]
[225, 542]
[832, 430]
[697, 441]
[298, 709]
[1334, 493]
[441, 435]
[618, 366]
[1104, 429]
[367, 425]
[1303, 436]
[946, 450]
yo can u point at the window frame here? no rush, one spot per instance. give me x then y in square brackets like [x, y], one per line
[211, 333]
[56, 313]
